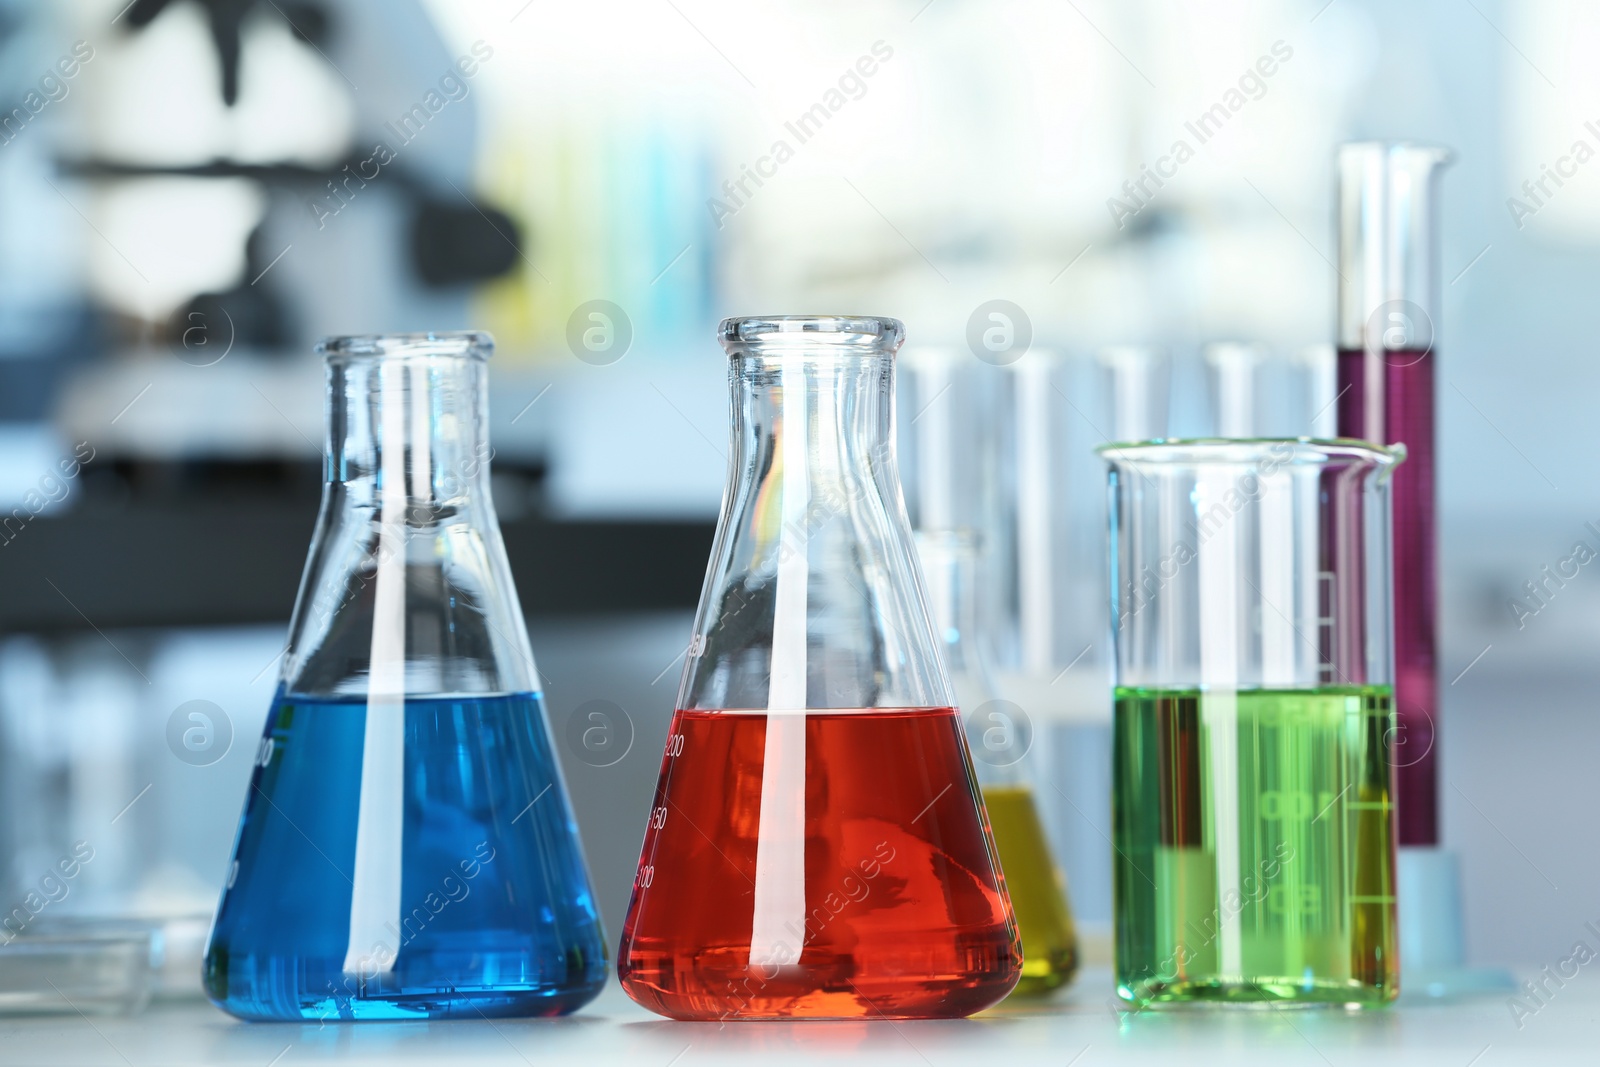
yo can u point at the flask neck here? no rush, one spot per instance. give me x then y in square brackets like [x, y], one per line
[411, 429]
[813, 599]
[820, 390]
[407, 591]
[826, 420]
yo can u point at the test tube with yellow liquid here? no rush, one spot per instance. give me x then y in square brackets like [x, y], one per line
[999, 735]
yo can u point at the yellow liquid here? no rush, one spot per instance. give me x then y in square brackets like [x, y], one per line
[1038, 892]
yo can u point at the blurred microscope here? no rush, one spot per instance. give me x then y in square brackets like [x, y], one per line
[317, 157]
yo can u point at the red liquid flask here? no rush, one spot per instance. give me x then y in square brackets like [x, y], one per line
[818, 846]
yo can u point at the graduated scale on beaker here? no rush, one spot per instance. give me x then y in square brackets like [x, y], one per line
[817, 845]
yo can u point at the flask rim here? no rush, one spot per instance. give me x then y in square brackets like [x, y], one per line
[464, 344]
[867, 335]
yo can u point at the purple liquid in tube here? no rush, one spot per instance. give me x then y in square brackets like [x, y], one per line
[1387, 341]
[1404, 400]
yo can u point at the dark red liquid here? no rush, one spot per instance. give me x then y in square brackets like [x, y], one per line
[1397, 386]
[905, 910]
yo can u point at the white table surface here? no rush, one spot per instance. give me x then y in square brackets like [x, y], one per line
[1080, 1028]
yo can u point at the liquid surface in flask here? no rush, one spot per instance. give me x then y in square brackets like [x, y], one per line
[904, 914]
[1037, 889]
[1254, 852]
[494, 914]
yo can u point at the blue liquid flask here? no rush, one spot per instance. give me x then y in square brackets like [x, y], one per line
[407, 848]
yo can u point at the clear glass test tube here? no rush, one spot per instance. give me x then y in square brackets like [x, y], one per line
[1045, 590]
[1000, 735]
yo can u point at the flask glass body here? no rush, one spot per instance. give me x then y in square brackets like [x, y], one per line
[407, 849]
[818, 845]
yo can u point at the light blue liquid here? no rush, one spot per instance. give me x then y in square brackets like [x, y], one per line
[497, 916]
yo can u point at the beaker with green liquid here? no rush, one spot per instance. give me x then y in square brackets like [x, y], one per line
[1253, 817]
[999, 735]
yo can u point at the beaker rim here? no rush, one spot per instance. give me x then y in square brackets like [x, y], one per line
[1250, 450]
[862, 334]
[470, 344]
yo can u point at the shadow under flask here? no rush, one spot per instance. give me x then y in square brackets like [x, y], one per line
[407, 849]
[817, 846]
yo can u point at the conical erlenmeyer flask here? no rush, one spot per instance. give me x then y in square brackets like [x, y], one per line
[406, 848]
[818, 845]
[1000, 737]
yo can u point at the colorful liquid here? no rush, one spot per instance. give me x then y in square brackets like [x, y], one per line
[495, 914]
[1254, 846]
[1038, 891]
[888, 900]
[1404, 401]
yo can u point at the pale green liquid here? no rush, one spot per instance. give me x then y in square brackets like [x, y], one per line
[1254, 846]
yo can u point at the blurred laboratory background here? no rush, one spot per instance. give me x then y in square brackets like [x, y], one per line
[1137, 194]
